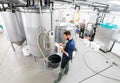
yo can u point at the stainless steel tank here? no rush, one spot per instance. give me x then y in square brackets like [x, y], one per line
[45, 19]
[47, 22]
[34, 22]
[13, 26]
[31, 22]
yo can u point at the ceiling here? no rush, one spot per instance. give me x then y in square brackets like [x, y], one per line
[112, 7]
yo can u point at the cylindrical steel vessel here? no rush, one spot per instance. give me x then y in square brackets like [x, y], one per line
[31, 22]
[45, 19]
[35, 23]
[13, 27]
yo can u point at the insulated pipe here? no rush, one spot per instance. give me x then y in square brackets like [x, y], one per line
[27, 3]
[20, 6]
[9, 5]
[101, 3]
[4, 9]
[40, 2]
[76, 6]
[52, 4]
[51, 21]
[47, 2]
[89, 4]
[52, 16]
[33, 2]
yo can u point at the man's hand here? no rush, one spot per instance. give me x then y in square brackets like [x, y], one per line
[61, 48]
[61, 44]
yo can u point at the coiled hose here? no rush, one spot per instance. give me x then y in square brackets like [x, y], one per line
[39, 47]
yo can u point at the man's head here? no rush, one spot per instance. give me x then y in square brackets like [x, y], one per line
[67, 35]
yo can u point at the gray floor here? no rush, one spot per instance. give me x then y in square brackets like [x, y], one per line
[16, 68]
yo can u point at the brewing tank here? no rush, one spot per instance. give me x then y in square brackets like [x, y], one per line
[35, 23]
[31, 22]
[46, 19]
[13, 27]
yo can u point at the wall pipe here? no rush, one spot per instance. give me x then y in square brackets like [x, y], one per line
[52, 16]
[29, 2]
[89, 4]
[33, 2]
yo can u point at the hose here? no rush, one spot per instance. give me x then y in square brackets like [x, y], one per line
[4, 55]
[39, 47]
[44, 44]
[97, 73]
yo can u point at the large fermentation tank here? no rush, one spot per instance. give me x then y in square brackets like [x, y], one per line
[13, 26]
[20, 21]
[47, 23]
[31, 22]
[46, 19]
[35, 23]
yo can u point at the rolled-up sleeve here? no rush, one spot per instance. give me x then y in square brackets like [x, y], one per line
[71, 48]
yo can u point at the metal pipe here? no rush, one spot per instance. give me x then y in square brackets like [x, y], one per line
[27, 3]
[33, 2]
[52, 4]
[92, 5]
[52, 16]
[51, 21]
[40, 1]
[47, 3]
[4, 9]
[101, 3]
[20, 6]
[13, 47]
[103, 17]
[77, 6]
[89, 4]
[9, 5]
[65, 1]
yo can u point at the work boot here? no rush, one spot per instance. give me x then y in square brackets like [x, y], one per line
[55, 81]
[59, 78]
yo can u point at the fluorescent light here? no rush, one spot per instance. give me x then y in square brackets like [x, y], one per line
[116, 2]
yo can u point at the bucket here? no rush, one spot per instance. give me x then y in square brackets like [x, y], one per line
[26, 51]
[54, 61]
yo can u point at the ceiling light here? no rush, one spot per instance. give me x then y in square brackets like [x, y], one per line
[116, 2]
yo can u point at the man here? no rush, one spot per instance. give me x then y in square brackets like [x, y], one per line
[67, 55]
[82, 29]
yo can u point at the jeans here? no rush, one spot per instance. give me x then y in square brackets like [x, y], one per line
[81, 34]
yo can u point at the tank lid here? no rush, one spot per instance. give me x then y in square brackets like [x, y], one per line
[30, 10]
[45, 10]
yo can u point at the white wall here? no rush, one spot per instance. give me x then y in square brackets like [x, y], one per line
[113, 17]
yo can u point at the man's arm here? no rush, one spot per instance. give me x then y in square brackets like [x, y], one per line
[64, 52]
[70, 50]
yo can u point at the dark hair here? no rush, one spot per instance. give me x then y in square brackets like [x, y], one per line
[67, 33]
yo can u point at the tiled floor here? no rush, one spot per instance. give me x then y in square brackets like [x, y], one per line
[16, 68]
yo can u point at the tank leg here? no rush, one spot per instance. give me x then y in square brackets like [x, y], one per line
[45, 64]
[13, 47]
[34, 58]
